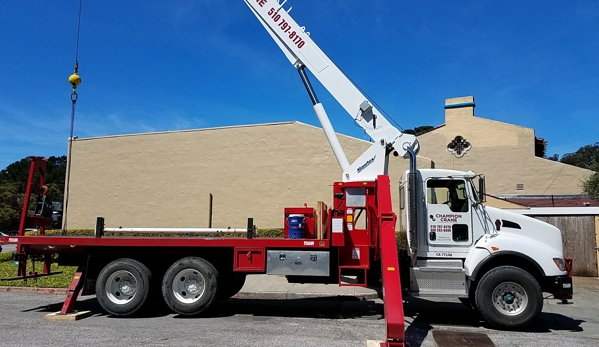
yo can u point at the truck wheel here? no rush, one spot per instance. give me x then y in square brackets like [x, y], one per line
[508, 297]
[230, 284]
[189, 286]
[122, 287]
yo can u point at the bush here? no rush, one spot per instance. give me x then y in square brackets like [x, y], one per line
[401, 238]
[272, 232]
[9, 269]
[58, 232]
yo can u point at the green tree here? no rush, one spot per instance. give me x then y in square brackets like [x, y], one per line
[16, 173]
[10, 209]
[586, 157]
[419, 130]
[590, 185]
[56, 169]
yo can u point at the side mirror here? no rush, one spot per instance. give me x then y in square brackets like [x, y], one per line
[482, 195]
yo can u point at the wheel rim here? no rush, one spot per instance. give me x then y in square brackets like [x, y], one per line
[121, 287]
[510, 298]
[189, 286]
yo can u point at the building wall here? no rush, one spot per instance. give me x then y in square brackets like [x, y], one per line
[505, 153]
[164, 179]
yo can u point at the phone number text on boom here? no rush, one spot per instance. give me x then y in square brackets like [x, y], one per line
[286, 28]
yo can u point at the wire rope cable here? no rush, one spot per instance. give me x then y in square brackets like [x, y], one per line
[74, 80]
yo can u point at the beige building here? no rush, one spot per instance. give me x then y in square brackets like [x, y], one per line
[165, 179]
[510, 156]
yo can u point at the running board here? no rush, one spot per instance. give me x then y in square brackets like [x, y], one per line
[438, 277]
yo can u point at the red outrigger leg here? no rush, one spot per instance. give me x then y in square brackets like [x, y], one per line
[74, 290]
[394, 314]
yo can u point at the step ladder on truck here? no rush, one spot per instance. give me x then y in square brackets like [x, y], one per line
[497, 262]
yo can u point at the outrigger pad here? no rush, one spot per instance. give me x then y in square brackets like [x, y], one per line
[73, 316]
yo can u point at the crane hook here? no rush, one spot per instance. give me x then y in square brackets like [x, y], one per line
[75, 80]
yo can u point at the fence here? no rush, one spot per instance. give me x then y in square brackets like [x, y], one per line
[579, 239]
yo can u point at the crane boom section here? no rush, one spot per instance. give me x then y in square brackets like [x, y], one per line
[301, 50]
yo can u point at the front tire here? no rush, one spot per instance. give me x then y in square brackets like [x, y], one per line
[189, 286]
[122, 287]
[508, 297]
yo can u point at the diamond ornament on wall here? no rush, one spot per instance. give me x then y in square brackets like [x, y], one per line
[459, 146]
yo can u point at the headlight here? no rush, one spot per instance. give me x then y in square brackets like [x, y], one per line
[559, 262]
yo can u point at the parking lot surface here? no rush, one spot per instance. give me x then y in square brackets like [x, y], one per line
[332, 321]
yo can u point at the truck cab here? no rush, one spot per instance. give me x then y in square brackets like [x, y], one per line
[496, 261]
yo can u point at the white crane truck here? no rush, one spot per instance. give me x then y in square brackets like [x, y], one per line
[496, 261]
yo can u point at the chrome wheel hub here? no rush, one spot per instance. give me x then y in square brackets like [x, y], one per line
[510, 298]
[189, 286]
[121, 287]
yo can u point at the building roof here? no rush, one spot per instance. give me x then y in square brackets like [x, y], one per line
[552, 200]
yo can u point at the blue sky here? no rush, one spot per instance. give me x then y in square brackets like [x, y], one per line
[173, 65]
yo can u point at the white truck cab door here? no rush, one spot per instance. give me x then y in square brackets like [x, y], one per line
[449, 221]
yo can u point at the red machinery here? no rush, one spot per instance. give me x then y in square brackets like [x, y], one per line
[358, 237]
[354, 238]
[41, 216]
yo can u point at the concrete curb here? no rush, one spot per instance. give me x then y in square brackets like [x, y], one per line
[34, 290]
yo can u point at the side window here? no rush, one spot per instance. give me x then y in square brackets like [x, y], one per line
[436, 191]
[449, 192]
[360, 218]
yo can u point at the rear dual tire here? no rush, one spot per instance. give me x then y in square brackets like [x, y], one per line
[189, 286]
[123, 286]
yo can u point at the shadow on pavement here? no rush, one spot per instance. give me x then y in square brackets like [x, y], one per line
[152, 310]
[423, 314]
[345, 307]
[426, 313]
[90, 304]
[547, 322]
[341, 307]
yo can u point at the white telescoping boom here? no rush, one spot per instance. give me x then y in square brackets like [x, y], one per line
[302, 52]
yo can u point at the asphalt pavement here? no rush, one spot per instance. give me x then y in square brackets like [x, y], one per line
[268, 311]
